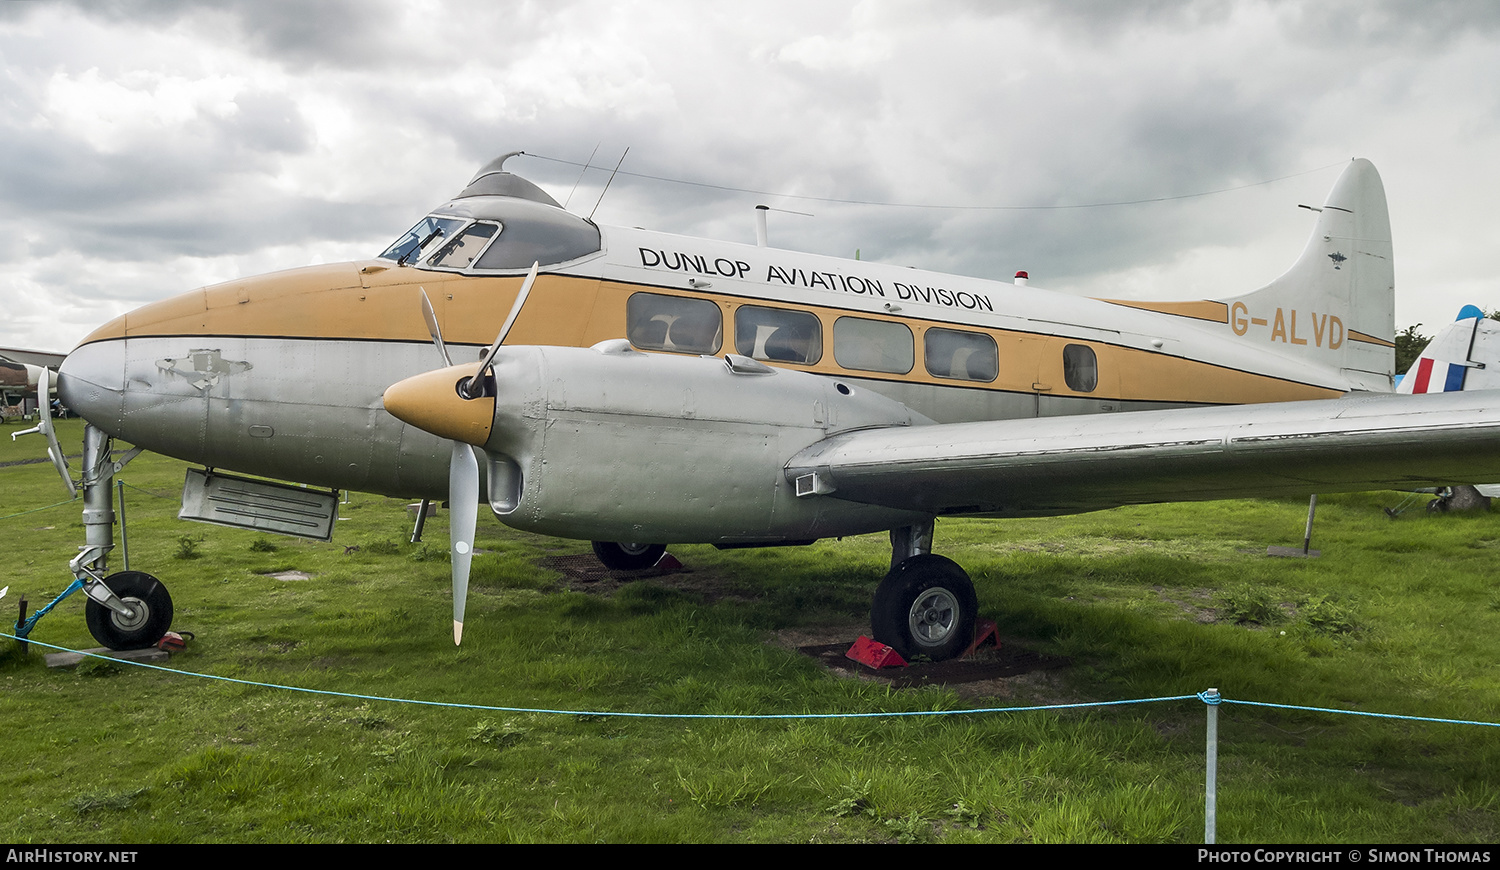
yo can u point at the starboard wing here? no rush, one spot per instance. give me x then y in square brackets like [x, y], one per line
[1063, 465]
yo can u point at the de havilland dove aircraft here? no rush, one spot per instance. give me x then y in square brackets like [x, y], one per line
[637, 389]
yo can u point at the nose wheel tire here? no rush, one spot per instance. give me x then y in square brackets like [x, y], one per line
[628, 557]
[925, 607]
[151, 612]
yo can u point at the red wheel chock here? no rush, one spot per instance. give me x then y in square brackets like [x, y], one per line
[875, 654]
[985, 630]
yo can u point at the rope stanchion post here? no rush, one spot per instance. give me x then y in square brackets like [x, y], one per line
[1211, 783]
[20, 621]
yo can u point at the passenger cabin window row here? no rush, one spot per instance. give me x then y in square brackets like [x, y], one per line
[686, 324]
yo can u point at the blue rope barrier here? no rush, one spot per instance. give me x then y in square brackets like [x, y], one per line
[1363, 713]
[620, 714]
[36, 510]
[1211, 699]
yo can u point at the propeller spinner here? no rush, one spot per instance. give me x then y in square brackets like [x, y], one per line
[447, 403]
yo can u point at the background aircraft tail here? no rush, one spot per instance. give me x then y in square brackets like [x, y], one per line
[1336, 306]
[1465, 355]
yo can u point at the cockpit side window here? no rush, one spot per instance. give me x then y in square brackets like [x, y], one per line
[429, 232]
[460, 252]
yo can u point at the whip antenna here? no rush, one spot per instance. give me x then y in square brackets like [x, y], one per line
[608, 183]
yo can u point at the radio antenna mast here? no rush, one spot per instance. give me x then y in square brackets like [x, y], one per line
[608, 183]
[586, 166]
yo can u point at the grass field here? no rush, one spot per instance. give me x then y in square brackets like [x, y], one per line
[1396, 616]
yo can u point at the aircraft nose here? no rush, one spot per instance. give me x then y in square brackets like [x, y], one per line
[430, 402]
[91, 383]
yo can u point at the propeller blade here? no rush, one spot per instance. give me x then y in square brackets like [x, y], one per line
[432, 328]
[46, 382]
[463, 514]
[515, 308]
[510, 320]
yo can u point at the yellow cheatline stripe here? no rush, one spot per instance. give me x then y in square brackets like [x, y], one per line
[1360, 336]
[1204, 309]
[575, 311]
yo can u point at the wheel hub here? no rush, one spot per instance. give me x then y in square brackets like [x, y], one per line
[932, 617]
[140, 613]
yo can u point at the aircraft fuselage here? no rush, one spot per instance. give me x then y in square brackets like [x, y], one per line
[282, 375]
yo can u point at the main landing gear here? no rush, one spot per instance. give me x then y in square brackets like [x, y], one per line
[926, 605]
[628, 556]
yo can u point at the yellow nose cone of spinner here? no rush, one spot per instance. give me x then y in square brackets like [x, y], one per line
[430, 402]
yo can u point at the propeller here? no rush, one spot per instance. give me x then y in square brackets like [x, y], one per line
[46, 381]
[439, 402]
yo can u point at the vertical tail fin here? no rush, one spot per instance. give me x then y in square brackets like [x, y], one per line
[1465, 355]
[1336, 306]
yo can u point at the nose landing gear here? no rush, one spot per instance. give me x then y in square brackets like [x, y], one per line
[149, 617]
[126, 610]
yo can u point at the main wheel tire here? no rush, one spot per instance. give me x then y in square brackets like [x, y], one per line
[147, 597]
[628, 557]
[925, 607]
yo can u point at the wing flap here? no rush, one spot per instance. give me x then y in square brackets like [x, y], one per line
[1060, 465]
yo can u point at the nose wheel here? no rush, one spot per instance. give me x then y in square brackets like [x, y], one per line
[925, 607]
[149, 618]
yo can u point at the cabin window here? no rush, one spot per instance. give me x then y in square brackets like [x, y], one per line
[873, 345]
[676, 323]
[777, 335]
[1080, 368]
[966, 356]
[427, 234]
[460, 252]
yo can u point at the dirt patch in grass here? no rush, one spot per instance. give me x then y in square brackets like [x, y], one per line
[1199, 605]
[1005, 672]
[583, 573]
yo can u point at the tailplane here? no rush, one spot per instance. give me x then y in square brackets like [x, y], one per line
[1336, 306]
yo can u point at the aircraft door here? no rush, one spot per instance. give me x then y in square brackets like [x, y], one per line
[1075, 377]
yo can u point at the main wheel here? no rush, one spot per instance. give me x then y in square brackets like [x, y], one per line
[628, 557]
[925, 607]
[151, 606]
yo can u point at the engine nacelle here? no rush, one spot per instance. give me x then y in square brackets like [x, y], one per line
[611, 444]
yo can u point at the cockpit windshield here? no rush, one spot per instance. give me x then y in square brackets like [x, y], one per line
[494, 234]
[429, 232]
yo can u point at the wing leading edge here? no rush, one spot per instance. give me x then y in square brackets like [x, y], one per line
[1062, 465]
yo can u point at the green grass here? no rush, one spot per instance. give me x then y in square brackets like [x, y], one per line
[1394, 617]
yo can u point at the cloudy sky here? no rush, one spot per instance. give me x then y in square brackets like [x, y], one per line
[150, 148]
